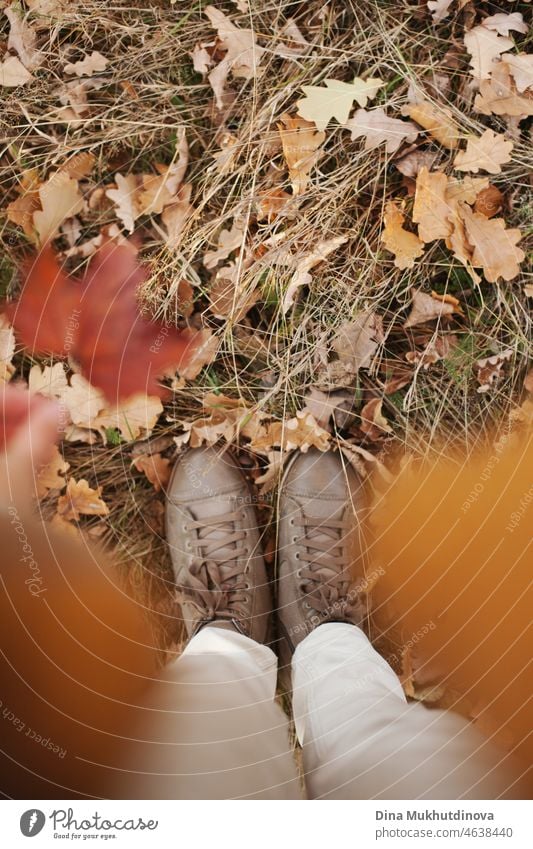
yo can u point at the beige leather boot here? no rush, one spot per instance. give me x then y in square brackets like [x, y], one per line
[215, 545]
[320, 547]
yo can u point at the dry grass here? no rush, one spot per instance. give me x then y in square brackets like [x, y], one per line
[150, 92]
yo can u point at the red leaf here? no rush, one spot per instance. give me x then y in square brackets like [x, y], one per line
[98, 323]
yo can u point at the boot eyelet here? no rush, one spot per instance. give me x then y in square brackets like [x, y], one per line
[299, 574]
[296, 555]
[307, 606]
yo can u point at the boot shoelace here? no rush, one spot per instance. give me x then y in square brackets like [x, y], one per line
[326, 579]
[216, 580]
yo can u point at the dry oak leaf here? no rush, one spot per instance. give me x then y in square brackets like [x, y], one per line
[60, 198]
[20, 211]
[155, 467]
[321, 104]
[303, 432]
[484, 47]
[377, 128]
[432, 207]
[52, 476]
[176, 215]
[201, 59]
[410, 164]
[160, 190]
[494, 247]
[205, 351]
[436, 120]
[304, 264]
[520, 67]
[243, 55]
[272, 203]
[50, 381]
[80, 499]
[301, 143]
[487, 153]
[439, 9]
[373, 423]
[356, 341]
[489, 370]
[7, 349]
[437, 349]
[228, 241]
[89, 65]
[125, 198]
[405, 246]
[498, 96]
[13, 73]
[23, 39]
[466, 189]
[503, 23]
[79, 166]
[425, 308]
[229, 297]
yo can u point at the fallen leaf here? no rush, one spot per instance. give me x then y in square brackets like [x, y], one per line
[243, 55]
[489, 370]
[89, 65]
[52, 476]
[465, 189]
[487, 153]
[272, 203]
[425, 308]
[60, 198]
[7, 349]
[204, 353]
[377, 128]
[373, 423]
[503, 23]
[494, 247]
[160, 190]
[228, 241]
[484, 47]
[20, 211]
[301, 143]
[439, 9]
[272, 475]
[324, 406]
[125, 198]
[431, 207]
[437, 349]
[229, 297]
[499, 96]
[356, 341]
[520, 66]
[321, 104]
[201, 59]
[489, 201]
[436, 120]
[411, 164]
[50, 381]
[176, 215]
[23, 38]
[301, 432]
[304, 264]
[405, 246]
[80, 499]
[13, 73]
[156, 468]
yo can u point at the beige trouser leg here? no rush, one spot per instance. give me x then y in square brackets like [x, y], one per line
[211, 727]
[361, 740]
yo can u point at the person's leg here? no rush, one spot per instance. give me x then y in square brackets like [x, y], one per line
[362, 740]
[212, 728]
[360, 737]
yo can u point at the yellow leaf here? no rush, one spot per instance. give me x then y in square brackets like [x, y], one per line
[13, 73]
[494, 247]
[301, 143]
[80, 499]
[405, 246]
[60, 199]
[487, 153]
[321, 104]
[436, 120]
[432, 208]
